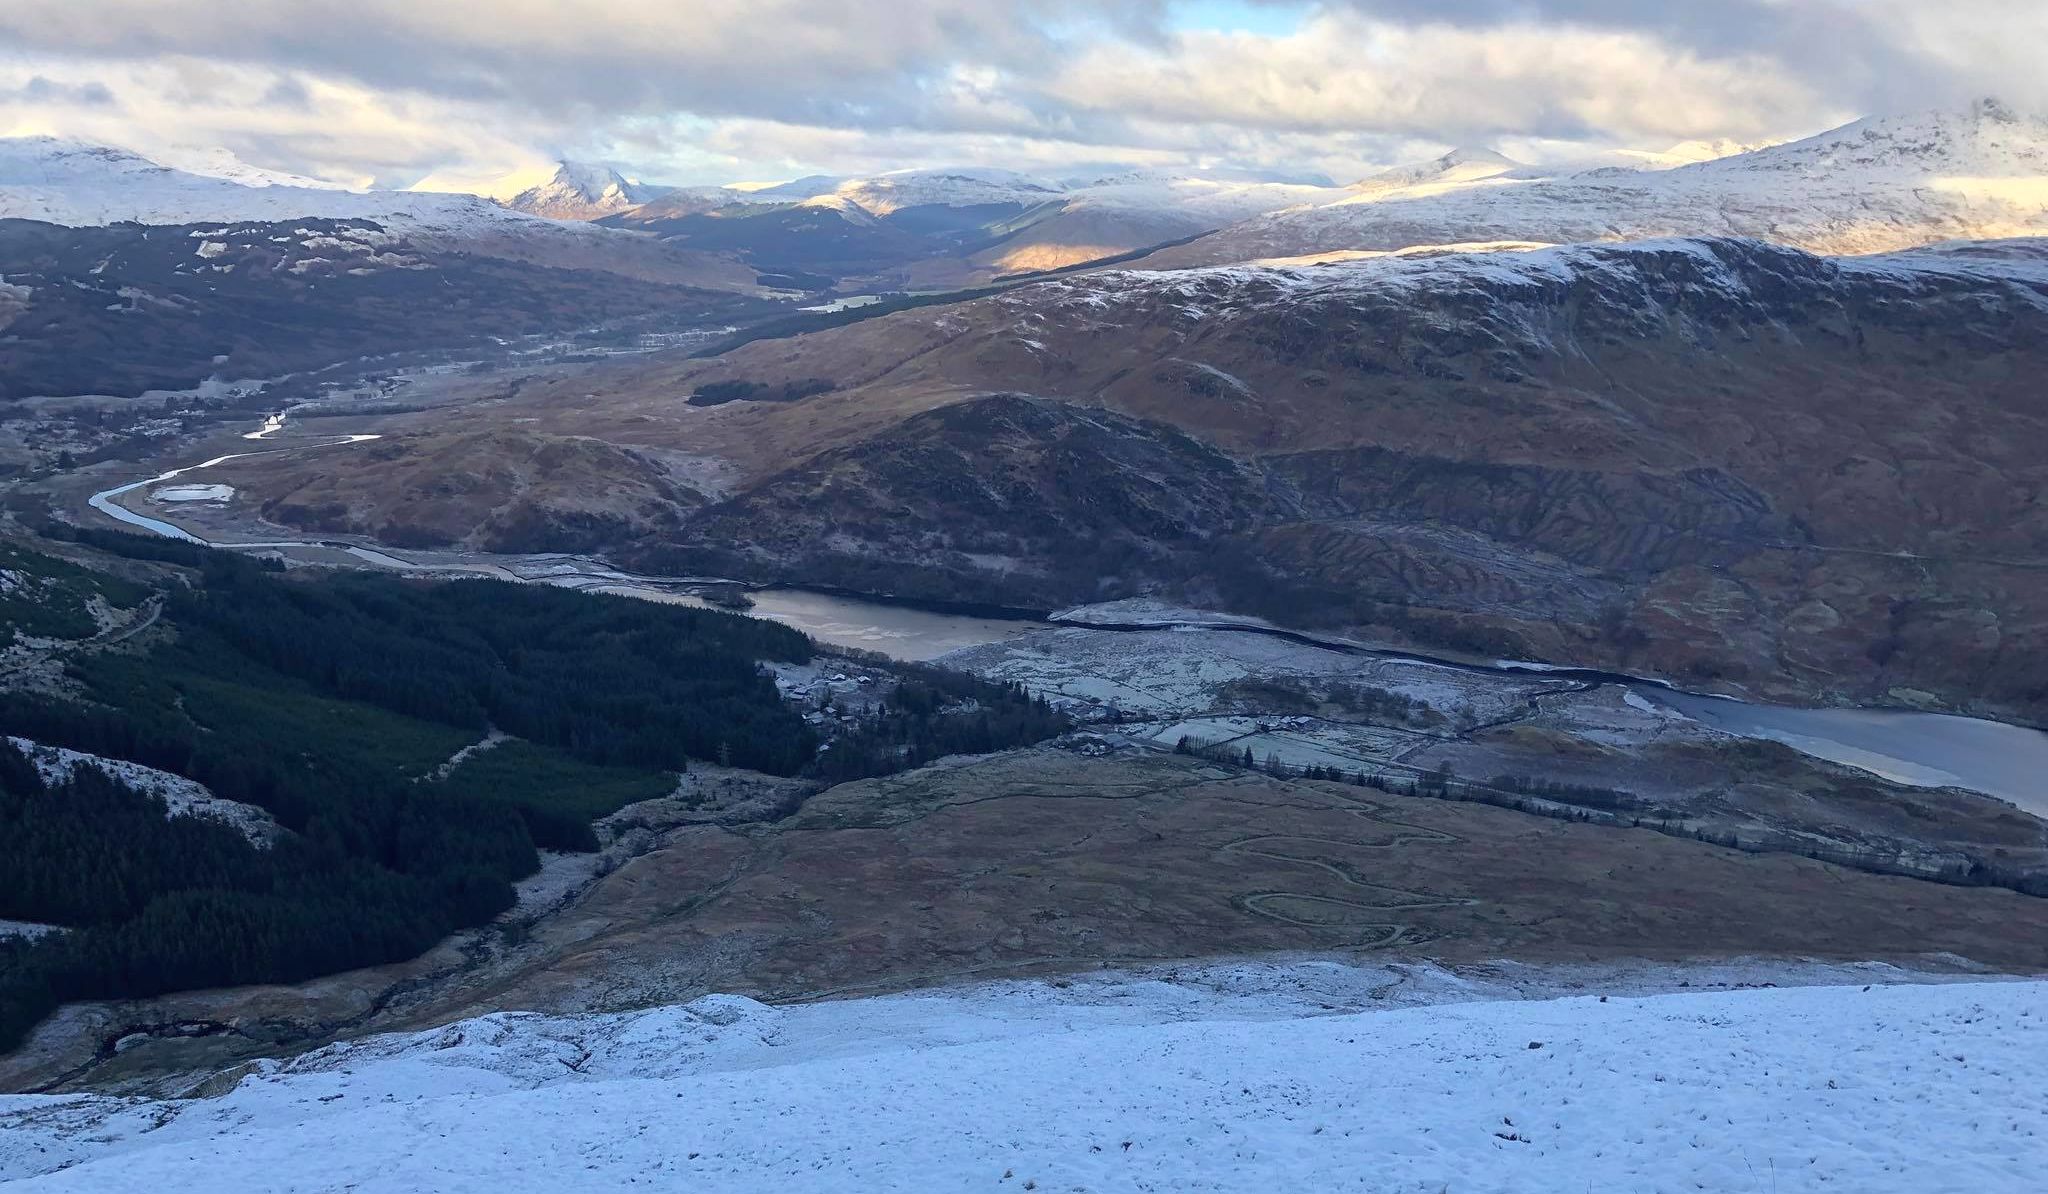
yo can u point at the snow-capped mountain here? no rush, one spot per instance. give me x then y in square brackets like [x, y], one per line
[794, 190]
[72, 183]
[959, 187]
[1882, 183]
[1466, 164]
[582, 191]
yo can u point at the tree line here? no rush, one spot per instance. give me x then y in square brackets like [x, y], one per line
[934, 712]
[251, 696]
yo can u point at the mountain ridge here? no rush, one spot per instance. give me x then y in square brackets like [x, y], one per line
[1873, 185]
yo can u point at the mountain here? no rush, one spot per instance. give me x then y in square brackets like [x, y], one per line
[794, 190]
[884, 194]
[580, 191]
[123, 309]
[1462, 165]
[950, 228]
[80, 185]
[1718, 460]
[1871, 186]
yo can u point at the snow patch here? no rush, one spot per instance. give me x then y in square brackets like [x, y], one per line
[182, 797]
[193, 493]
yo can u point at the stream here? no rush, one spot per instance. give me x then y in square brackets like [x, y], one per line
[1913, 748]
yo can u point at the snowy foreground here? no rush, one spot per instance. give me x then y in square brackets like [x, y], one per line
[1127, 1083]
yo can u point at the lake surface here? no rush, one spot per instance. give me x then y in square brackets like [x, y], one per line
[1917, 749]
[913, 635]
[1921, 749]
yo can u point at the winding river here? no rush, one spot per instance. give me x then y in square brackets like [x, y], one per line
[1919, 749]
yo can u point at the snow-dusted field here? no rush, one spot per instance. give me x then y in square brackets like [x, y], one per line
[1238, 1079]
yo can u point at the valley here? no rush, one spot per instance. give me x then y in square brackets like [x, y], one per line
[1914, 748]
[1377, 754]
[1488, 453]
[567, 637]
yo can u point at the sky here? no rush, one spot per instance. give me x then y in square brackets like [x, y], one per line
[393, 92]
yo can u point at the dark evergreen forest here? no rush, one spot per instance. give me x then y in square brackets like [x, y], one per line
[324, 702]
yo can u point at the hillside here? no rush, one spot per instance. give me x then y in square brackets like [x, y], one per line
[1876, 185]
[246, 777]
[77, 184]
[124, 309]
[1207, 1078]
[1719, 460]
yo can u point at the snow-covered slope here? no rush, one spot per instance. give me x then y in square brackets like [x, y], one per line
[956, 187]
[1878, 184]
[1508, 294]
[68, 182]
[1463, 165]
[582, 191]
[215, 162]
[1119, 1085]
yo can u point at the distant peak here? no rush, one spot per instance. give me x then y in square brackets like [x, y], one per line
[591, 180]
[1466, 163]
[584, 191]
[1476, 155]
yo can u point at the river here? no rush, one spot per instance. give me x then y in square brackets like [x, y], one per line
[1918, 749]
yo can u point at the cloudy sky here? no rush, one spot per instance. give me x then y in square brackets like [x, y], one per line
[391, 91]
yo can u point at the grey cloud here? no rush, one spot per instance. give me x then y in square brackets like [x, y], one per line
[39, 90]
[1866, 52]
[814, 61]
[824, 83]
[289, 92]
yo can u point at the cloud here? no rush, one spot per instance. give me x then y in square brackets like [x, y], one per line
[38, 91]
[829, 62]
[1866, 54]
[694, 90]
[333, 129]
[1343, 73]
